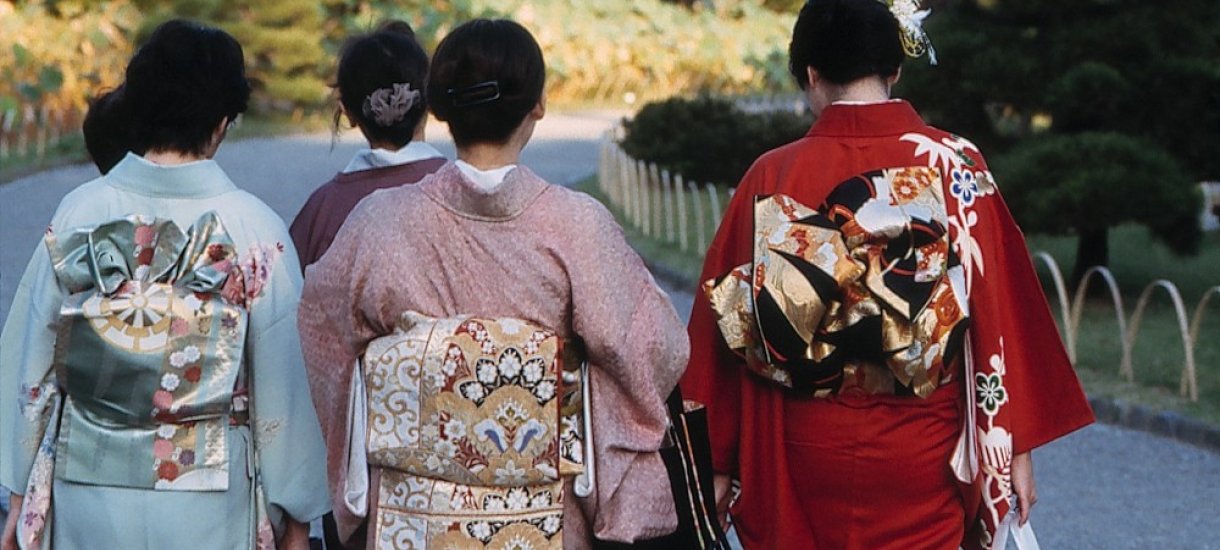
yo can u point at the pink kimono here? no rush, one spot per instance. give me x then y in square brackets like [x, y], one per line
[525, 249]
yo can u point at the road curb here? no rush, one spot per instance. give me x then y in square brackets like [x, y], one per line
[1107, 409]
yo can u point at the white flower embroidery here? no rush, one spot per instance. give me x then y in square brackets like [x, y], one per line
[518, 499]
[541, 500]
[533, 371]
[455, 429]
[487, 372]
[177, 359]
[545, 390]
[192, 353]
[510, 473]
[429, 431]
[510, 364]
[550, 525]
[481, 530]
[167, 431]
[446, 448]
[169, 382]
[473, 391]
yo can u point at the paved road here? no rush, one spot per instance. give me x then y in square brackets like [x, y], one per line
[1101, 488]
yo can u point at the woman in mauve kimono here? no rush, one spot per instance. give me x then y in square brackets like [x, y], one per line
[872, 343]
[380, 83]
[150, 368]
[486, 236]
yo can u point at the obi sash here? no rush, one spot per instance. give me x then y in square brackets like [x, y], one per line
[147, 355]
[473, 424]
[863, 294]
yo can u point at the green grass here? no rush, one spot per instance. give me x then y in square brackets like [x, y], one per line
[1137, 259]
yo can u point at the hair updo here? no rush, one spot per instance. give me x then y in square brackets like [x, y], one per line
[181, 84]
[487, 75]
[384, 59]
[845, 40]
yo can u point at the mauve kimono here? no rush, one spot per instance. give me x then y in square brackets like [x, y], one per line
[319, 220]
[274, 431]
[525, 249]
[865, 469]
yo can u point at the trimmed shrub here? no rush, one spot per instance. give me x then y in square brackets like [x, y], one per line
[708, 139]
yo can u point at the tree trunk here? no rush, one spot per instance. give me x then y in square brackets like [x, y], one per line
[1092, 249]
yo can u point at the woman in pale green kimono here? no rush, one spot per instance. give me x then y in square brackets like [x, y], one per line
[150, 369]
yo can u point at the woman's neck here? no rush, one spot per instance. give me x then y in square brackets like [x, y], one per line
[486, 156]
[863, 90]
[171, 158]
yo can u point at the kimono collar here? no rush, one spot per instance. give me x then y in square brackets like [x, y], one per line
[414, 151]
[192, 180]
[867, 120]
[451, 189]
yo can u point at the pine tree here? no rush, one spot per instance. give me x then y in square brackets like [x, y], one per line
[1095, 112]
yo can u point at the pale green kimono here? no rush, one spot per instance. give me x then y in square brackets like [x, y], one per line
[89, 509]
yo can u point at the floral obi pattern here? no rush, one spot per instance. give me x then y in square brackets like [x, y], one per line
[861, 295]
[474, 422]
[148, 353]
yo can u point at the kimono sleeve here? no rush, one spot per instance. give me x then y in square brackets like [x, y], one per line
[287, 437]
[637, 350]
[1025, 377]
[27, 349]
[716, 374]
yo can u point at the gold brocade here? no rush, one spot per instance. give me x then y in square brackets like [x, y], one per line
[474, 424]
[837, 296]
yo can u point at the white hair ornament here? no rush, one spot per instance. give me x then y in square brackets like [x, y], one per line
[389, 106]
[915, 41]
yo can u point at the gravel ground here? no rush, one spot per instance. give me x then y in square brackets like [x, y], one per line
[1101, 488]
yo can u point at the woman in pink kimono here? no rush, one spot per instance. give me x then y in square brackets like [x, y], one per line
[486, 236]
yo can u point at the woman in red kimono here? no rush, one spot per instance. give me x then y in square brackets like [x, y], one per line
[871, 340]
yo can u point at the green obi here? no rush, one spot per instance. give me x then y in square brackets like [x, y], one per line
[148, 353]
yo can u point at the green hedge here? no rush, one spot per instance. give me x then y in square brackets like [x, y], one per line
[708, 139]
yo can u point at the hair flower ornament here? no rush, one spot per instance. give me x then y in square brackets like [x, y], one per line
[389, 106]
[915, 41]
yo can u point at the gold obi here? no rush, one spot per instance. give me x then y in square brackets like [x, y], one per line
[474, 423]
[863, 294]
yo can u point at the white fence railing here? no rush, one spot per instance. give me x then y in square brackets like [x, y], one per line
[29, 131]
[660, 205]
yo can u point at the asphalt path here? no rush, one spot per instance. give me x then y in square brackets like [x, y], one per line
[1103, 487]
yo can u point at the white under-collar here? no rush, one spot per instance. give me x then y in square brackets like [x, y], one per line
[870, 102]
[485, 180]
[366, 159]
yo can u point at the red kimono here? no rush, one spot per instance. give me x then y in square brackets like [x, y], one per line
[855, 468]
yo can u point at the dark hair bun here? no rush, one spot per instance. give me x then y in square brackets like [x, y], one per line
[487, 75]
[379, 64]
[181, 84]
[105, 130]
[845, 40]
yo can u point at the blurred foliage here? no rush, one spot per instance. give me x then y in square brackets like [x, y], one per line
[597, 50]
[1098, 112]
[58, 54]
[708, 139]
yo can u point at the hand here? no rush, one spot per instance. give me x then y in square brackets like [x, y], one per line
[9, 542]
[724, 496]
[296, 536]
[1023, 485]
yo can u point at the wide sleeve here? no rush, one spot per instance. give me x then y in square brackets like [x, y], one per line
[335, 330]
[27, 348]
[287, 439]
[637, 350]
[1024, 377]
[716, 375]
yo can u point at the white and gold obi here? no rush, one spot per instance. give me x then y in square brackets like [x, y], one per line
[473, 425]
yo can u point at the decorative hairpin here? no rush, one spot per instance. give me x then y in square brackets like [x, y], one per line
[915, 41]
[478, 94]
[389, 106]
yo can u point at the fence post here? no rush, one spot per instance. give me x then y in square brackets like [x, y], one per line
[714, 193]
[683, 229]
[628, 187]
[666, 183]
[658, 199]
[641, 170]
[700, 218]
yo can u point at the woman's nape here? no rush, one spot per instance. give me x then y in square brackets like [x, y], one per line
[845, 50]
